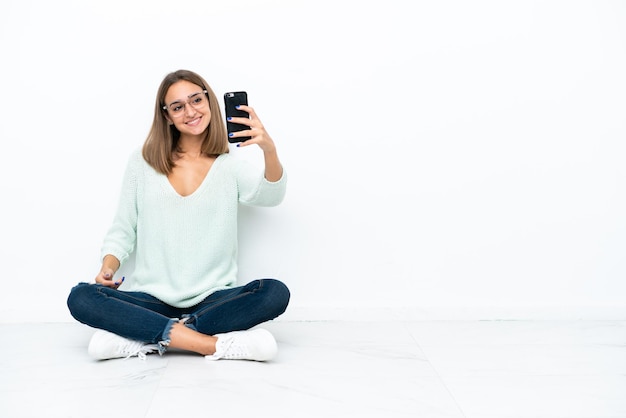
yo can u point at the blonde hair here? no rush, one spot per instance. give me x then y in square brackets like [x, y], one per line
[161, 145]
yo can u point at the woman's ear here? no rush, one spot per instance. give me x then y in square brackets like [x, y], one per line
[167, 117]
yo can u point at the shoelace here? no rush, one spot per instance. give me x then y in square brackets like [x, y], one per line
[232, 350]
[136, 348]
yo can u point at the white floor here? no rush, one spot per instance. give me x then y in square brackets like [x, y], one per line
[470, 369]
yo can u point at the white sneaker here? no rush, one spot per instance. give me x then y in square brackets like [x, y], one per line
[257, 345]
[105, 345]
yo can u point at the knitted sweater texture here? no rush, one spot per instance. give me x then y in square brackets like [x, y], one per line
[185, 246]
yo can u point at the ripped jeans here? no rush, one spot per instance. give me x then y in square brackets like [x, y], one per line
[142, 317]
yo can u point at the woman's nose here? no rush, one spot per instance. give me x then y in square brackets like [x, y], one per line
[189, 110]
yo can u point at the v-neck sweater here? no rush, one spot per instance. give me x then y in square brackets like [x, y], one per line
[185, 246]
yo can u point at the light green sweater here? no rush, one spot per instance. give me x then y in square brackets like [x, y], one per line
[186, 247]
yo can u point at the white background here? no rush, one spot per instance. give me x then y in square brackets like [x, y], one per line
[446, 159]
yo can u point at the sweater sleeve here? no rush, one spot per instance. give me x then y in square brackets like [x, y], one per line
[255, 190]
[122, 235]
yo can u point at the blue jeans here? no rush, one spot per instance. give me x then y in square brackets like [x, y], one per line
[142, 317]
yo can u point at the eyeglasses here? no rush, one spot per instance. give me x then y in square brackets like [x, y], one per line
[196, 100]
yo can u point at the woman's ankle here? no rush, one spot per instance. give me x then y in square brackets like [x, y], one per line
[185, 338]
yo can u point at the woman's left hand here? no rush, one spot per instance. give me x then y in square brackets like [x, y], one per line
[257, 132]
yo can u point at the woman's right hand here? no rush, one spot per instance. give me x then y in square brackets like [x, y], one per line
[105, 278]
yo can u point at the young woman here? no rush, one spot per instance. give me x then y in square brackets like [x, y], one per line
[178, 212]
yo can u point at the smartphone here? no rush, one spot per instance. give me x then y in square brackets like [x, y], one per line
[231, 101]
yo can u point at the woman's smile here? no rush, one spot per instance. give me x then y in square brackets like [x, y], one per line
[194, 121]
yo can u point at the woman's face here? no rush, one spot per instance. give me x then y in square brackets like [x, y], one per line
[188, 108]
